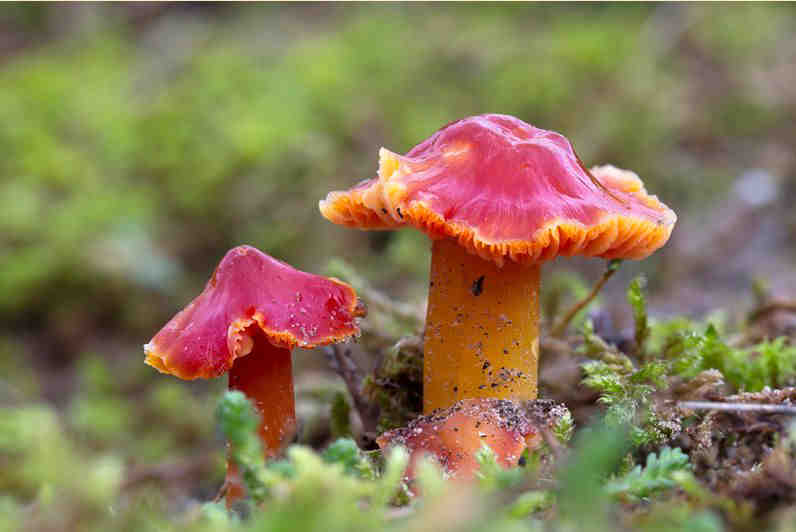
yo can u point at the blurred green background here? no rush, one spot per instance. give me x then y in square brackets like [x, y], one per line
[139, 142]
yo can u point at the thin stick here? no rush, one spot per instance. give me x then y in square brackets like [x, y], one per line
[551, 440]
[559, 329]
[352, 377]
[739, 407]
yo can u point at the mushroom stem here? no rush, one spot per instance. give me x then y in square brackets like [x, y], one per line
[265, 376]
[482, 329]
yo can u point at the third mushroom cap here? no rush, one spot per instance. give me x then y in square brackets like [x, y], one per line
[498, 197]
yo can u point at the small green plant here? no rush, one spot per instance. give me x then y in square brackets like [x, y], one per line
[345, 452]
[769, 363]
[677, 347]
[492, 476]
[342, 463]
[657, 475]
[340, 416]
[635, 296]
[626, 389]
[564, 427]
[238, 421]
[396, 385]
[598, 453]
[530, 502]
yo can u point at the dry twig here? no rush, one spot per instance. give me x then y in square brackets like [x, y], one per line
[558, 450]
[341, 362]
[561, 326]
[739, 407]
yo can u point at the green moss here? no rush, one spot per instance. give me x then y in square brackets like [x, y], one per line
[137, 149]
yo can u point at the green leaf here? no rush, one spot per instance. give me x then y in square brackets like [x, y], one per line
[530, 502]
[564, 427]
[346, 452]
[626, 390]
[492, 475]
[635, 296]
[657, 475]
[238, 421]
[599, 451]
[340, 416]
[769, 363]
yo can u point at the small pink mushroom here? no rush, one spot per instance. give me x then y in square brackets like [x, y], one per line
[252, 313]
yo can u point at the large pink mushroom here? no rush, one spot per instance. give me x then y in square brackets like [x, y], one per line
[498, 197]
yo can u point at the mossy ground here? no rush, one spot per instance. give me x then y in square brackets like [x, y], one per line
[140, 143]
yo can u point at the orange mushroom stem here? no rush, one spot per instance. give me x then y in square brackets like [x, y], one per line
[482, 328]
[265, 376]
